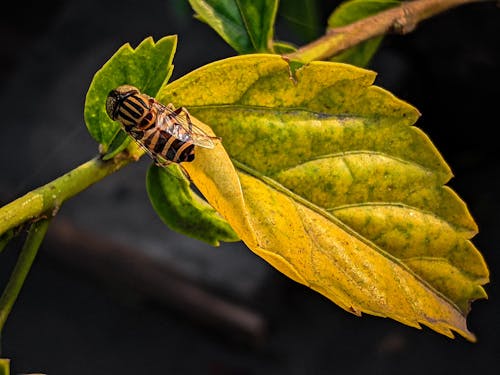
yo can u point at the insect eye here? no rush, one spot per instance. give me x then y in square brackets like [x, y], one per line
[116, 98]
[112, 104]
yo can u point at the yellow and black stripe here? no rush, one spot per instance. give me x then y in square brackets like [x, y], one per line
[138, 116]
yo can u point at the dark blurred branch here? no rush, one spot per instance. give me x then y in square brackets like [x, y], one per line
[134, 271]
[401, 19]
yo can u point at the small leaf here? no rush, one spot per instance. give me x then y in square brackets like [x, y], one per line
[147, 67]
[184, 211]
[327, 180]
[354, 10]
[4, 366]
[246, 25]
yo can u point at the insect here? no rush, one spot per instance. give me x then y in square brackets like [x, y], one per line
[165, 133]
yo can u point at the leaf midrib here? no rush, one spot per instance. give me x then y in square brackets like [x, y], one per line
[282, 189]
[322, 115]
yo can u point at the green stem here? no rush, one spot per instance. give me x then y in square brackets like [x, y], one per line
[42, 204]
[401, 19]
[32, 244]
[46, 200]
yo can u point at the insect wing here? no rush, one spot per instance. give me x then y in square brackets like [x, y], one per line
[181, 127]
[158, 160]
[199, 137]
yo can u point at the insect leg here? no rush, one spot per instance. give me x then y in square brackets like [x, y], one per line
[161, 163]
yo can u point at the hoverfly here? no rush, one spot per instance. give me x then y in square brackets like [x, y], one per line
[165, 133]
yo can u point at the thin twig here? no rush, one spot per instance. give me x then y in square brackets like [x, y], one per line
[402, 19]
[22, 267]
[46, 200]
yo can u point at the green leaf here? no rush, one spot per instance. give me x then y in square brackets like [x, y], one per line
[184, 211]
[303, 17]
[354, 10]
[326, 178]
[246, 25]
[147, 67]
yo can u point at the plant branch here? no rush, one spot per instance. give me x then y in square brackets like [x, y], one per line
[42, 204]
[46, 200]
[402, 19]
[32, 244]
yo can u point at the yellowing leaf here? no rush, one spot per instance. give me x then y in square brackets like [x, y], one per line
[326, 178]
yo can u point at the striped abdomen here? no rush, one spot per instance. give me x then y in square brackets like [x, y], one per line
[160, 143]
[139, 117]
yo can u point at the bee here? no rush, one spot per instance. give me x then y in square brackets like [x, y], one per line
[165, 133]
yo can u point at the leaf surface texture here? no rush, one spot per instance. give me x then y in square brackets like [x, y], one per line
[326, 178]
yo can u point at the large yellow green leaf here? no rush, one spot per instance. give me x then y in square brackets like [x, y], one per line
[325, 177]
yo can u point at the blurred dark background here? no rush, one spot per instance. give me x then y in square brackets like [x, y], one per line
[113, 291]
